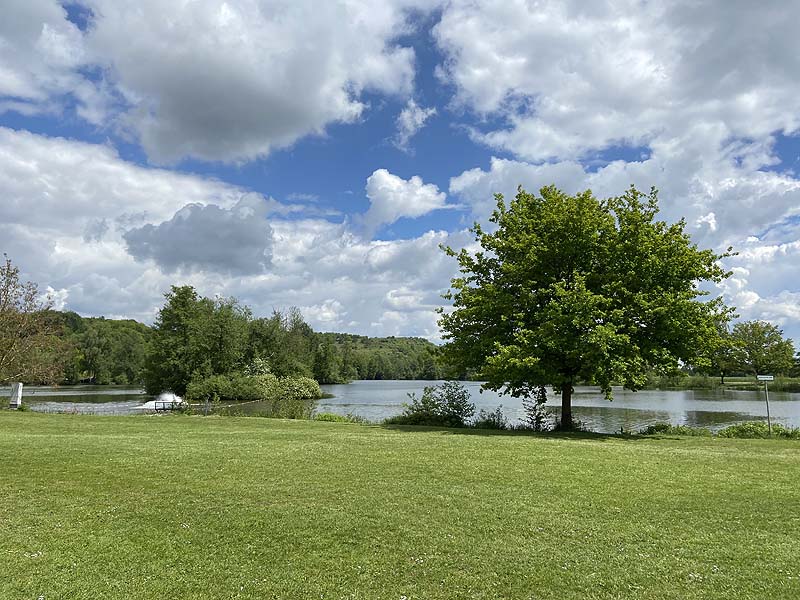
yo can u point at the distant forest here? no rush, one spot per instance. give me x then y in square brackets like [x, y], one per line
[109, 351]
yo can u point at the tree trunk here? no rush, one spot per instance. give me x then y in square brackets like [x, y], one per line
[566, 406]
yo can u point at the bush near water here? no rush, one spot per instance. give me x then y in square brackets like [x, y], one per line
[287, 397]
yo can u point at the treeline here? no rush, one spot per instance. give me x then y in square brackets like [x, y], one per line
[343, 357]
[196, 337]
[102, 351]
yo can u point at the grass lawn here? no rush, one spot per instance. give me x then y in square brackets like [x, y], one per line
[193, 507]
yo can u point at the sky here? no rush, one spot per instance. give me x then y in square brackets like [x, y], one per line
[317, 154]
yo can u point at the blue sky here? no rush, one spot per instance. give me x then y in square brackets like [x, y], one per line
[316, 155]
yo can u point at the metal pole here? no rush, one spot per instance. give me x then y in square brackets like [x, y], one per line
[766, 397]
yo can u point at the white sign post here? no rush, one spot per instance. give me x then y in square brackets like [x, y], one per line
[16, 395]
[766, 379]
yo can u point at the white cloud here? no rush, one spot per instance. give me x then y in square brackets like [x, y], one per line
[570, 77]
[208, 79]
[75, 214]
[726, 201]
[234, 241]
[410, 120]
[39, 54]
[392, 197]
[232, 81]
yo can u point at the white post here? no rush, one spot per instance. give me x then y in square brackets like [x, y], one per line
[766, 379]
[16, 395]
[766, 398]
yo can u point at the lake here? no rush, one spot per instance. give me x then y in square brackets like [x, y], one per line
[714, 409]
[376, 400]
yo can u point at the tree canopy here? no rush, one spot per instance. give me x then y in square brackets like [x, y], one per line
[194, 337]
[572, 288]
[30, 348]
[759, 348]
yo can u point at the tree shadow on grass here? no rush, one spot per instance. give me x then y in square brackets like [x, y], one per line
[544, 435]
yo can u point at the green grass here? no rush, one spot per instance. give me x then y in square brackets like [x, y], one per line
[706, 382]
[193, 507]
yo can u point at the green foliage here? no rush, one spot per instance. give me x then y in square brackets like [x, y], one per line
[495, 419]
[536, 417]
[760, 349]
[285, 341]
[287, 397]
[200, 337]
[194, 337]
[360, 357]
[669, 429]
[327, 362]
[105, 350]
[572, 288]
[32, 349]
[759, 429]
[680, 381]
[336, 418]
[447, 405]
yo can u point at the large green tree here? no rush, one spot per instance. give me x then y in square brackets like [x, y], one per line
[759, 348]
[573, 288]
[194, 337]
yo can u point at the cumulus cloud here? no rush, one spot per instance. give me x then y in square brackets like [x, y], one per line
[236, 241]
[392, 197]
[727, 200]
[699, 177]
[76, 184]
[569, 77]
[110, 237]
[40, 51]
[210, 79]
[410, 120]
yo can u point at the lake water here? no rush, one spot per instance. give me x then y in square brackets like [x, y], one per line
[377, 400]
[714, 409]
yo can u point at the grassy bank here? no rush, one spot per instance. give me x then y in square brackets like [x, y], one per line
[704, 382]
[192, 507]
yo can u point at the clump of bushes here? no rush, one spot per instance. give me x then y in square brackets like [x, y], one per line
[495, 419]
[759, 429]
[447, 405]
[336, 418]
[286, 397]
[753, 429]
[669, 429]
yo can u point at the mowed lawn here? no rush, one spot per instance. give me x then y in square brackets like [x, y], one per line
[193, 507]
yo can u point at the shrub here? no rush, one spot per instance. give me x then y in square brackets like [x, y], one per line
[287, 397]
[208, 389]
[299, 388]
[447, 405]
[759, 429]
[335, 418]
[491, 420]
[669, 429]
[536, 417]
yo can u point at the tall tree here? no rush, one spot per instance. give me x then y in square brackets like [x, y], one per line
[31, 349]
[572, 288]
[760, 349]
[194, 337]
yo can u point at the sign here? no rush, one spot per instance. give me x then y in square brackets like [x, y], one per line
[16, 395]
[765, 377]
